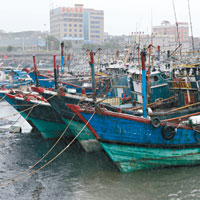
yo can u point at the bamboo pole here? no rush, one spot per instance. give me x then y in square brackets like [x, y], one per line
[151, 104]
[180, 108]
[139, 67]
[181, 117]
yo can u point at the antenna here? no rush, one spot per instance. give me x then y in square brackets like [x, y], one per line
[191, 27]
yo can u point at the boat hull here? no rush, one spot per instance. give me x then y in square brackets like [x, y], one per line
[49, 129]
[133, 143]
[136, 130]
[133, 158]
[42, 116]
[86, 139]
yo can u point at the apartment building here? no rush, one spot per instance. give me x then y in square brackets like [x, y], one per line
[93, 26]
[166, 28]
[77, 24]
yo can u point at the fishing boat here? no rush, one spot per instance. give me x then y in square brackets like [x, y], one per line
[58, 101]
[133, 143]
[185, 86]
[38, 112]
[141, 142]
[59, 98]
[12, 78]
[49, 82]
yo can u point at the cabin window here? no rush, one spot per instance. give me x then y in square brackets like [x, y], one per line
[155, 78]
[165, 76]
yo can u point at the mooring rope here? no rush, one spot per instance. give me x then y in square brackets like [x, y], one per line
[24, 119]
[45, 154]
[50, 161]
[2, 98]
[20, 125]
[19, 112]
[23, 172]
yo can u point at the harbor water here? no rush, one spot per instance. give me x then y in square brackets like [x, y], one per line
[77, 175]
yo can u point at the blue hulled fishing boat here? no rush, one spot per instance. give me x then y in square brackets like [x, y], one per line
[143, 142]
[12, 78]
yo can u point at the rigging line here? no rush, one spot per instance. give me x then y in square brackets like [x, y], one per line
[28, 169]
[23, 172]
[16, 129]
[191, 26]
[2, 98]
[16, 113]
[14, 122]
[177, 28]
[24, 119]
[50, 161]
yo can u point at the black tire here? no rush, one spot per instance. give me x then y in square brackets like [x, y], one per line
[195, 136]
[155, 122]
[196, 133]
[168, 132]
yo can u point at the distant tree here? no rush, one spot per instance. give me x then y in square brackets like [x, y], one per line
[9, 48]
[52, 42]
[94, 47]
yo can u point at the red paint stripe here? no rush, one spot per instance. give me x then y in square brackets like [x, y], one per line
[43, 76]
[70, 85]
[91, 57]
[120, 115]
[54, 61]
[37, 89]
[75, 109]
[129, 117]
[76, 86]
[10, 96]
[35, 66]
[143, 61]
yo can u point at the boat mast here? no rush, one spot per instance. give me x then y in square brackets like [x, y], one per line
[36, 72]
[68, 61]
[93, 75]
[144, 87]
[138, 51]
[178, 36]
[62, 57]
[151, 28]
[55, 71]
[191, 27]
[159, 56]
[148, 72]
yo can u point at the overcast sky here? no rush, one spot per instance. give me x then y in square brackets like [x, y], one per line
[121, 16]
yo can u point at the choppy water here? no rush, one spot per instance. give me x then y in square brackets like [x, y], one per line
[79, 175]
